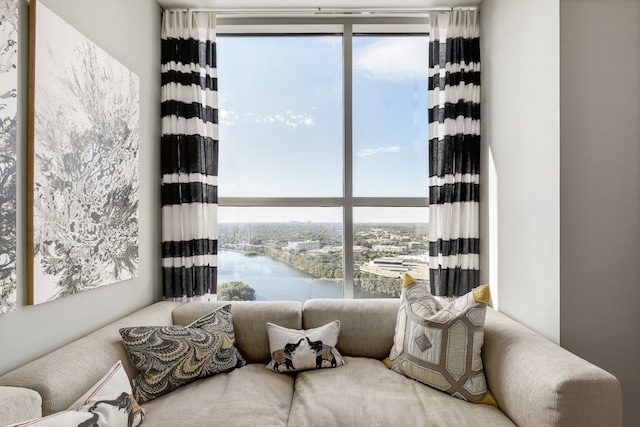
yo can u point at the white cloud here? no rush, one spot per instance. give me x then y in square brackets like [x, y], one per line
[287, 118]
[230, 117]
[227, 117]
[394, 58]
[373, 151]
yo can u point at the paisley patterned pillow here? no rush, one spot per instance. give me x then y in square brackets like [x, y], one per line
[171, 356]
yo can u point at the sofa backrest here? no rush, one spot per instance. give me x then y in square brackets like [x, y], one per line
[367, 326]
[249, 322]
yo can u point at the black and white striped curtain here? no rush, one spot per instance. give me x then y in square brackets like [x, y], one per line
[454, 153]
[189, 152]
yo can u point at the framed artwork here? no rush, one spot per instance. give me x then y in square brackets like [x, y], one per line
[82, 178]
[8, 153]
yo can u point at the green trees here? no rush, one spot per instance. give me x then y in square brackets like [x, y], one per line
[388, 286]
[236, 291]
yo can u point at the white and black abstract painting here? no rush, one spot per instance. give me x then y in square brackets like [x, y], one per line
[8, 163]
[85, 163]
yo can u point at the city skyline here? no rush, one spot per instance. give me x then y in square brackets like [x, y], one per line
[362, 215]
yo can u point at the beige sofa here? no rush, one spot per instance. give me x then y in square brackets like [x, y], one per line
[535, 382]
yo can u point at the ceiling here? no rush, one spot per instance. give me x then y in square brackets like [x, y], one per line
[329, 4]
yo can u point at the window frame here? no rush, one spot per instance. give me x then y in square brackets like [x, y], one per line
[347, 27]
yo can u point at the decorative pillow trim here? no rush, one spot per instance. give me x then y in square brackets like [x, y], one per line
[298, 350]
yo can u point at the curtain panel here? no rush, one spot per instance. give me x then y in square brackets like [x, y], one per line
[189, 155]
[454, 153]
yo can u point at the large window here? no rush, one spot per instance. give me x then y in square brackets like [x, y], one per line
[323, 178]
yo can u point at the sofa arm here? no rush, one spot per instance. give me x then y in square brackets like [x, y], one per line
[63, 375]
[537, 382]
[19, 404]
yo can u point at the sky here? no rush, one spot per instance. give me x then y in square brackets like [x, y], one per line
[281, 127]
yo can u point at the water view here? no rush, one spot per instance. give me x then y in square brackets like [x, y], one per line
[273, 280]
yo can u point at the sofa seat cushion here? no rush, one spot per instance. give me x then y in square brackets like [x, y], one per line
[364, 392]
[247, 396]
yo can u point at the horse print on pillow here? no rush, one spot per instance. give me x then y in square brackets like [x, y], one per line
[298, 350]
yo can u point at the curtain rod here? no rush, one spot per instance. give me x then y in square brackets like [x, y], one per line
[321, 11]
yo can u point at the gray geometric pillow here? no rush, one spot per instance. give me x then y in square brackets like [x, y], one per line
[171, 356]
[441, 346]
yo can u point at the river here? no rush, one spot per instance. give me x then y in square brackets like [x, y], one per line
[274, 280]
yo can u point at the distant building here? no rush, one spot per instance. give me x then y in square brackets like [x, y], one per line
[388, 264]
[307, 245]
[390, 248]
[394, 267]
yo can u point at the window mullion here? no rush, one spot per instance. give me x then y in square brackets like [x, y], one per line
[347, 243]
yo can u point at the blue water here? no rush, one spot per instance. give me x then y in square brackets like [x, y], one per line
[276, 281]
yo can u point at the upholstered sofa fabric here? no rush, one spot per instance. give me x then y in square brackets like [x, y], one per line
[367, 393]
[366, 326]
[247, 396]
[18, 404]
[538, 383]
[535, 382]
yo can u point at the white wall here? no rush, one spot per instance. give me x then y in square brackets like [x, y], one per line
[129, 31]
[600, 188]
[561, 199]
[520, 202]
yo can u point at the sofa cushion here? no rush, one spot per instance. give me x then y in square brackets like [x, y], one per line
[441, 346]
[247, 396]
[298, 350]
[364, 392]
[171, 356]
[249, 321]
[366, 326]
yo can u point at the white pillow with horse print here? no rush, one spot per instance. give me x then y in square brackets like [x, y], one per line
[299, 350]
[109, 403]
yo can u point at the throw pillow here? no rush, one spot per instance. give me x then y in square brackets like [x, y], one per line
[171, 356]
[440, 346]
[108, 403]
[298, 350]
